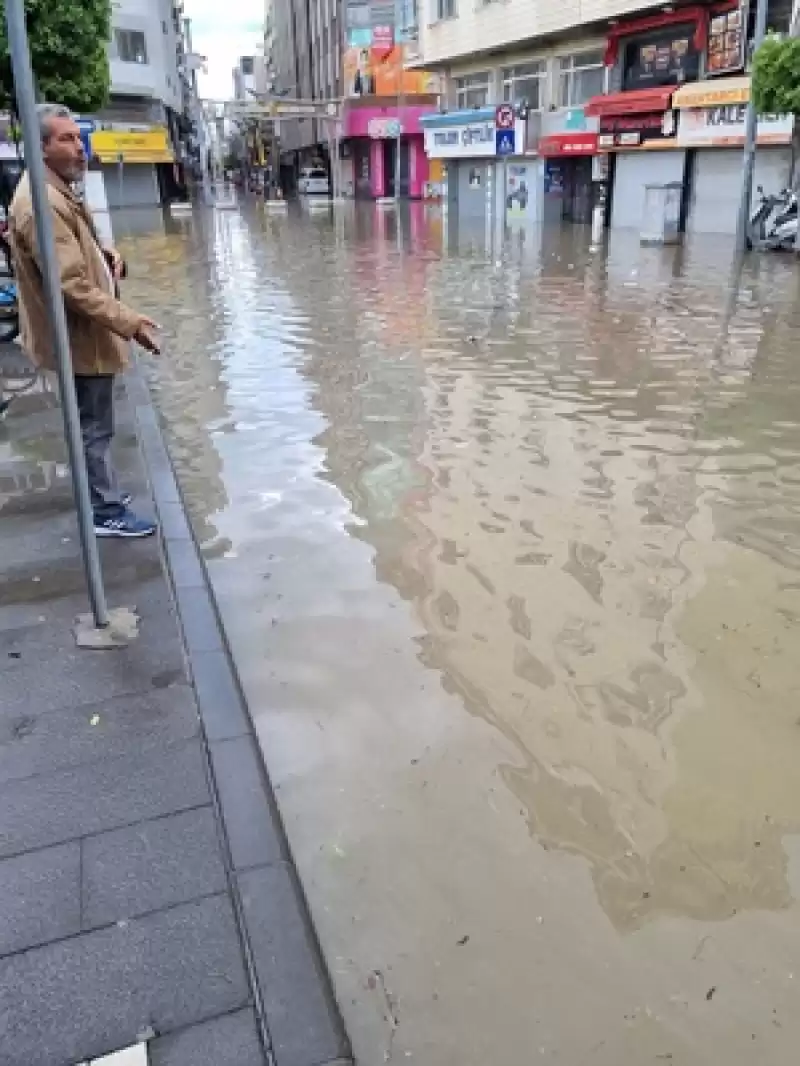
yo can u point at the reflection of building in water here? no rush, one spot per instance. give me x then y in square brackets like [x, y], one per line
[549, 544]
[176, 280]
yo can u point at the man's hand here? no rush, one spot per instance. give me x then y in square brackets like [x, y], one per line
[117, 263]
[147, 335]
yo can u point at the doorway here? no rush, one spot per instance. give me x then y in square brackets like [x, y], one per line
[577, 204]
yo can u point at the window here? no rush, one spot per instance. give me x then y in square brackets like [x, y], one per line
[131, 46]
[472, 90]
[580, 77]
[525, 83]
[247, 65]
[444, 9]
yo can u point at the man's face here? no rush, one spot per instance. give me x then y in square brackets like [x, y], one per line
[63, 149]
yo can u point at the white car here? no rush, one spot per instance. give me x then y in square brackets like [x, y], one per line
[313, 181]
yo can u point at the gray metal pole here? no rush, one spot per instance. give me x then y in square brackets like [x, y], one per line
[750, 138]
[26, 104]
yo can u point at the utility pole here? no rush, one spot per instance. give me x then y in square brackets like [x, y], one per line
[750, 138]
[26, 104]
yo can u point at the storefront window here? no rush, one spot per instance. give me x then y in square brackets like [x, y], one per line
[580, 78]
[525, 84]
[473, 90]
[668, 57]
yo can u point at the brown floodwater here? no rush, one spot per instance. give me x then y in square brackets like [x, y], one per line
[505, 534]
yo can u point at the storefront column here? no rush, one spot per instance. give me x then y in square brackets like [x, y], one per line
[377, 171]
[418, 168]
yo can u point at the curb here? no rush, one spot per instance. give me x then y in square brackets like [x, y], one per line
[299, 1019]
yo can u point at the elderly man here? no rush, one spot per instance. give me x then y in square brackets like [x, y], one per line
[100, 326]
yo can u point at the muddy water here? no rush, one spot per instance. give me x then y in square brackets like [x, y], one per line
[506, 540]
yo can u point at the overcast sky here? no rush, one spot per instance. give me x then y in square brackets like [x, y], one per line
[223, 32]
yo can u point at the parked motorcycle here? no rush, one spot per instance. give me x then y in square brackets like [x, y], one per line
[774, 222]
[9, 306]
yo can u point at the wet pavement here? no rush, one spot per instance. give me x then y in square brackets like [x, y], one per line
[505, 537]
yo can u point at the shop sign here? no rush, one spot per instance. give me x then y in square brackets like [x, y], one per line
[117, 146]
[384, 128]
[718, 127]
[383, 39]
[727, 39]
[630, 131]
[668, 57]
[461, 142]
[560, 144]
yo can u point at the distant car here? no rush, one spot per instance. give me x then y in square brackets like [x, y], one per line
[313, 181]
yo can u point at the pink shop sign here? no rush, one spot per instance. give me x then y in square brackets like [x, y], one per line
[372, 121]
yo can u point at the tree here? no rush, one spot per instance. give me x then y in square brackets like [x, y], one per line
[776, 86]
[69, 42]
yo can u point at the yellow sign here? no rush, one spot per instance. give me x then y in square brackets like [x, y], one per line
[120, 146]
[713, 93]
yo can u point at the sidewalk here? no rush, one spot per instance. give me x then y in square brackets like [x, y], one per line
[145, 886]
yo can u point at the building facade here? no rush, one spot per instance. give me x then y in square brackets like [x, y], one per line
[141, 138]
[550, 109]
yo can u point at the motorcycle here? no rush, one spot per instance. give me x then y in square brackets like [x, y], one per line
[9, 304]
[774, 222]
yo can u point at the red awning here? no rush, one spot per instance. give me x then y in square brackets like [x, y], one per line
[638, 102]
[557, 144]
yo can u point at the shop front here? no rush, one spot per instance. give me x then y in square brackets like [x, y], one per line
[568, 176]
[485, 168]
[372, 137]
[711, 127]
[132, 162]
[637, 131]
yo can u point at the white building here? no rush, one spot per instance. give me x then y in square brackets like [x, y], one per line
[140, 133]
[609, 96]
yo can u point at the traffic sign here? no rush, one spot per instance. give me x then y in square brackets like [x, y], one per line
[505, 142]
[504, 117]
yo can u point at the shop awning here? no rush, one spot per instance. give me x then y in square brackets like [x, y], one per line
[715, 92]
[560, 144]
[640, 102]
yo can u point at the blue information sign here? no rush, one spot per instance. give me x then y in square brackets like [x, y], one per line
[505, 142]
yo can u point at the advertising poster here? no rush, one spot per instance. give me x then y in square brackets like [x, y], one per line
[381, 72]
[519, 186]
[726, 41]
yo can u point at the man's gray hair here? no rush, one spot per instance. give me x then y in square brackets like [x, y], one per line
[46, 113]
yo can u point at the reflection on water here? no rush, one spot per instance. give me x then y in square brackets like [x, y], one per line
[581, 474]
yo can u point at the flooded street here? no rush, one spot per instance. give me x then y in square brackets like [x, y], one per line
[506, 540]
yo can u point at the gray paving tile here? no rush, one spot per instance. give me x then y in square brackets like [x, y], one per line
[304, 1023]
[87, 996]
[249, 820]
[184, 564]
[44, 659]
[150, 866]
[39, 897]
[228, 1041]
[201, 630]
[220, 704]
[174, 524]
[33, 743]
[52, 808]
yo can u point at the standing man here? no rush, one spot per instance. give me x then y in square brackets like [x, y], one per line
[100, 326]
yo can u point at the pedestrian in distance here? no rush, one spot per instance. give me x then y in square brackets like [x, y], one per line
[100, 326]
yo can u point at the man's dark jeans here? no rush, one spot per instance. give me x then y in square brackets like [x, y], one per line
[96, 406]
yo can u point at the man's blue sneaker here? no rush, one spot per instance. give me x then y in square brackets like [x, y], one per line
[124, 525]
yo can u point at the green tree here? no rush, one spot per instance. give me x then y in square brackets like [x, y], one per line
[69, 42]
[776, 86]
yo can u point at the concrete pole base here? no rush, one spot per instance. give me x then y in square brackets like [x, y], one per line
[122, 629]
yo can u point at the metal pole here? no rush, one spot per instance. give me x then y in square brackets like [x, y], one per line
[26, 103]
[750, 138]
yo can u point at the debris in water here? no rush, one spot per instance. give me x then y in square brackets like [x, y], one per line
[710, 993]
[464, 940]
[94, 720]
